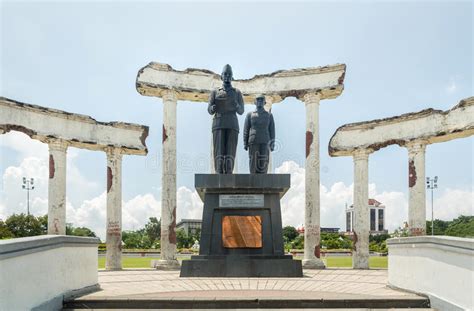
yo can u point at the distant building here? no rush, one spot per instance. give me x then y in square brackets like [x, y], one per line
[300, 230]
[190, 226]
[377, 217]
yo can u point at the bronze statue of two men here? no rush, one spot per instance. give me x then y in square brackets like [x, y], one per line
[259, 129]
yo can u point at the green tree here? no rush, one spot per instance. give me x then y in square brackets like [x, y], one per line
[5, 232]
[69, 229]
[463, 226]
[21, 225]
[183, 240]
[196, 236]
[289, 233]
[44, 223]
[379, 238]
[132, 239]
[153, 229]
[83, 231]
[440, 227]
[298, 243]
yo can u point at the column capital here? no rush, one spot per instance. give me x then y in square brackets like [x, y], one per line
[57, 144]
[416, 146]
[113, 152]
[169, 96]
[311, 97]
[361, 154]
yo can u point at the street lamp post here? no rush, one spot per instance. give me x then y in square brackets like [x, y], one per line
[28, 184]
[432, 183]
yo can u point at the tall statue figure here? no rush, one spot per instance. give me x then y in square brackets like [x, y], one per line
[259, 137]
[224, 103]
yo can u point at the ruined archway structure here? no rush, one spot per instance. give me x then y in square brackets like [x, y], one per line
[309, 85]
[60, 130]
[413, 131]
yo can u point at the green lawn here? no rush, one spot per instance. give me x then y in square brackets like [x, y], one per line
[346, 262]
[331, 262]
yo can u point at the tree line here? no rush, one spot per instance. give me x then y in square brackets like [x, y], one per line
[148, 237]
[21, 225]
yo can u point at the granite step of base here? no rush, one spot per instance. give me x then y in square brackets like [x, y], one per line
[243, 303]
[285, 309]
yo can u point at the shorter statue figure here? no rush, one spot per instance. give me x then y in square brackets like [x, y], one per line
[259, 137]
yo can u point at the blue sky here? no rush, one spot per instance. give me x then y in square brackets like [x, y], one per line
[401, 57]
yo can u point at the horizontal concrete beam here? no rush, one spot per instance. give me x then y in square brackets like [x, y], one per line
[429, 126]
[78, 130]
[196, 84]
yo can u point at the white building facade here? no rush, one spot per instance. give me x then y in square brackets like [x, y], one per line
[376, 220]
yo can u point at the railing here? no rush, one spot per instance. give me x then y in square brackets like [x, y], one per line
[37, 272]
[440, 267]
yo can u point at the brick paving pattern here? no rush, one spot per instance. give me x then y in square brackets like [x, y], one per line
[327, 284]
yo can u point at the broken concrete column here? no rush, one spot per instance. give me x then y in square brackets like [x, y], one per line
[360, 247]
[168, 195]
[416, 183]
[312, 229]
[57, 186]
[113, 257]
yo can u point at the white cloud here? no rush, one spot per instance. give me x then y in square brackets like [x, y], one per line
[138, 210]
[451, 204]
[92, 213]
[13, 197]
[189, 204]
[23, 144]
[452, 86]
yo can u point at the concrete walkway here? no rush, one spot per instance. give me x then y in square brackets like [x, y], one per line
[317, 286]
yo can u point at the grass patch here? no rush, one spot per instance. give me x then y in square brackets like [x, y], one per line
[346, 262]
[331, 262]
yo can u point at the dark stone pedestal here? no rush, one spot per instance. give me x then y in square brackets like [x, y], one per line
[252, 195]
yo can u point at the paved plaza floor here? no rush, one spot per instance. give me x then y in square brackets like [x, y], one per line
[323, 285]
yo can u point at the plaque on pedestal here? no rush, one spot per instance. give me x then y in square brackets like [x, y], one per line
[241, 233]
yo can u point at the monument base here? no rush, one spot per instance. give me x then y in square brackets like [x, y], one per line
[241, 232]
[241, 266]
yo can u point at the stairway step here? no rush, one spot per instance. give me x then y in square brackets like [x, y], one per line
[292, 309]
[239, 303]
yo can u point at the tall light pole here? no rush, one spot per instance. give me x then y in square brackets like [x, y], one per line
[432, 183]
[28, 184]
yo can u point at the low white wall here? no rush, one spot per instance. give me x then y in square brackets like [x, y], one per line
[438, 266]
[36, 272]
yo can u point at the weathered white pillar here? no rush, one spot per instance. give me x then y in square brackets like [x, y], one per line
[268, 107]
[168, 195]
[360, 247]
[312, 229]
[113, 257]
[57, 187]
[416, 183]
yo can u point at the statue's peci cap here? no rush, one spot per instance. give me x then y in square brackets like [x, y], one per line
[260, 96]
